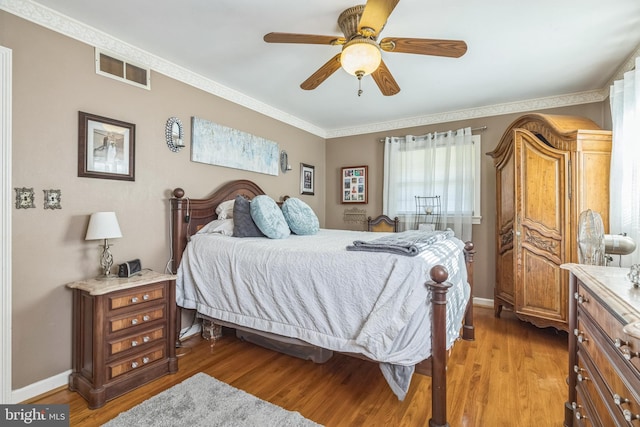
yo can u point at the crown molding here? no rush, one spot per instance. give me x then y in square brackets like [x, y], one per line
[474, 113]
[63, 24]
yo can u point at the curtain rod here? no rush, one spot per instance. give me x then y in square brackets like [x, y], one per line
[479, 129]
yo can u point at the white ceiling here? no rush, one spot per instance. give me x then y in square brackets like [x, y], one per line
[521, 55]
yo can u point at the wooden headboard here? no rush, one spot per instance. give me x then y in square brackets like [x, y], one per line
[189, 215]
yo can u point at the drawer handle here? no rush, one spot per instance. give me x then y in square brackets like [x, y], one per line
[582, 378]
[134, 300]
[580, 334]
[134, 343]
[134, 365]
[145, 360]
[145, 297]
[146, 339]
[628, 354]
[629, 416]
[581, 298]
[145, 318]
[577, 369]
[581, 416]
[134, 321]
[619, 400]
[618, 342]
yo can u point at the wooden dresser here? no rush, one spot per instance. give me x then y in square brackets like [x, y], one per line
[604, 348]
[124, 334]
[549, 169]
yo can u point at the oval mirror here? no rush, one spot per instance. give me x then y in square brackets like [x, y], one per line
[174, 134]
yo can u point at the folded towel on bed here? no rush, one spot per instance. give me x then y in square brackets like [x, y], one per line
[409, 243]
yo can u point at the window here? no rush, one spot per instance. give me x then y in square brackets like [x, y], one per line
[116, 68]
[444, 166]
[419, 168]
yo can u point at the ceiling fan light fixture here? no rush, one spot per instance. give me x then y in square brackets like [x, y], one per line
[360, 57]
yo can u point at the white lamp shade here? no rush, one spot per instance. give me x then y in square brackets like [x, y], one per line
[360, 56]
[103, 225]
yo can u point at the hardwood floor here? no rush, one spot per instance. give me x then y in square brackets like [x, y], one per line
[513, 374]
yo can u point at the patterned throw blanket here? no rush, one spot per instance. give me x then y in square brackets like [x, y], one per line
[409, 243]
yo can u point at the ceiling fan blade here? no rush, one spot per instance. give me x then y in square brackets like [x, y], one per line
[449, 48]
[322, 74]
[385, 81]
[303, 38]
[375, 14]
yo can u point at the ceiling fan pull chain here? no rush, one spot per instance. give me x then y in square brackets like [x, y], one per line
[359, 75]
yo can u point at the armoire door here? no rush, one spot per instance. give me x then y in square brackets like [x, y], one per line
[542, 224]
[505, 272]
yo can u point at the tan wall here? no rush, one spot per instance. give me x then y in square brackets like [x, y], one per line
[367, 150]
[53, 79]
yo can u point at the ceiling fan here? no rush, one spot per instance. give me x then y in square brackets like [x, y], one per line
[361, 51]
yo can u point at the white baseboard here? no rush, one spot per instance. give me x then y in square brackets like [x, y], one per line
[40, 387]
[483, 302]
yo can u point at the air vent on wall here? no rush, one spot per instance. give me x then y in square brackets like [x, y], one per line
[121, 69]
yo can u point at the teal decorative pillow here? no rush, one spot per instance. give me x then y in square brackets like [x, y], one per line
[269, 218]
[243, 225]
[301, 219]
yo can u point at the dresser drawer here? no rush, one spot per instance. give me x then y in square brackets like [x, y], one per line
[137, 318]
[119, 345]
[135, 362]
[593, 386]
[136, 296]
[611, 326]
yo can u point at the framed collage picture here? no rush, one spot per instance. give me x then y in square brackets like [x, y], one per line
[354, 184]
[306, 179]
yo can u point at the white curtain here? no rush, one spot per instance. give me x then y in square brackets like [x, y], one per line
[624, 211]
[439, 164]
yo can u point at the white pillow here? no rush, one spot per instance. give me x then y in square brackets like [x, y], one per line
[220, 226]
[225, 209]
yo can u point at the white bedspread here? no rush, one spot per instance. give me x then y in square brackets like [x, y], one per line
[313, 289]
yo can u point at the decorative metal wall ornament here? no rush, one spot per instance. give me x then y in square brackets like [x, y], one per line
[174, 134]
[25, 198]
[52, 199]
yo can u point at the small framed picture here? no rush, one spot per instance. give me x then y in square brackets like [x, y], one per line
[354, 183]
[306, 179]
[106, 148]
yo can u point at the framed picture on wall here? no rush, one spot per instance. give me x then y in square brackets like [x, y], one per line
[106, 148]
[306, 179]
[353, 184]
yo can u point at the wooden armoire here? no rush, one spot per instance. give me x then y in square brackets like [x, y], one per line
[549, 168]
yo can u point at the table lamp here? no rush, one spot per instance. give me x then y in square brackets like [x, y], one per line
[104, 225]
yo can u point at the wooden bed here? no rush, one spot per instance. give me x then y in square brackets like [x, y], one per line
[189, 215]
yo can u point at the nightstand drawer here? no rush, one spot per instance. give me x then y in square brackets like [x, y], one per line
[136, 319]
[133, 341]
[134, 363]
[136, 296]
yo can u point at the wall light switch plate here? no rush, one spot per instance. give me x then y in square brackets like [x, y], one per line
[52, 199]
[25, 198]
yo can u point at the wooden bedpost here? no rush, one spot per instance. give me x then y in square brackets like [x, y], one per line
[439, 288]
[468, 331]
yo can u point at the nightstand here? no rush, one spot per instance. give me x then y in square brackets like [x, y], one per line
[124, 334]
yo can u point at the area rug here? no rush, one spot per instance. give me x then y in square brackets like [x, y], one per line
[202, 400]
